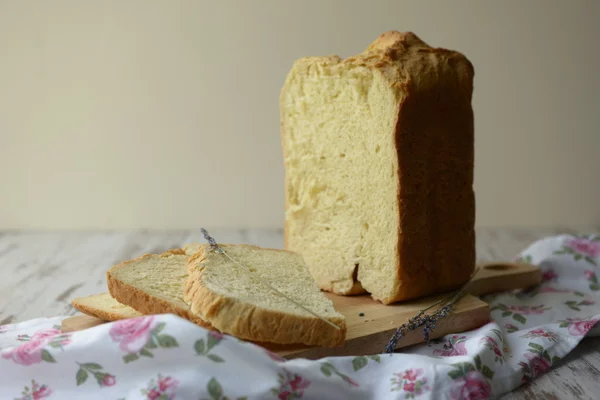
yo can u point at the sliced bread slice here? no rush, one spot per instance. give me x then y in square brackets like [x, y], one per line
[153, 284]
[236, 300]
[104, 307]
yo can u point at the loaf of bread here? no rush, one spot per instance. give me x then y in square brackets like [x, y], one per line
[378, 154]
[234, 292]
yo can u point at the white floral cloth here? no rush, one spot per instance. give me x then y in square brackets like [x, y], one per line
[165, 357]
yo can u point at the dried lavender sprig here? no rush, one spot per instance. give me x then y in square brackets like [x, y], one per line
[213, 244]
[428, 322]
[215, 247]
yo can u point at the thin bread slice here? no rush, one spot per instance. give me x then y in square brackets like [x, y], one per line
[237, 301]
[104, 307]
[153, 284]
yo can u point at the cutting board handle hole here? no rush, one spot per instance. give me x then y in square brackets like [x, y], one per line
[500, 267]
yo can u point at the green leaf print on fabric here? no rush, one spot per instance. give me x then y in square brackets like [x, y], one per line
[361, 361]
[102, 378]
[576, 305]
[203, 348]
[527, 259]
[329, 369]
[137, 336]
[167, 341]
[130, 357]
[35, 392]
[215, 390]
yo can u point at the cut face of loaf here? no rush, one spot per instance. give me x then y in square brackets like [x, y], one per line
[236, 301]
[378, 155]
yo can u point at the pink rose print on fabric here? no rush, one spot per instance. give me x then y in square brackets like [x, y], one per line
[527, 310]
[518, 312]
[54, 336]
[586, 247]
[472, 386]
[274, 357]
[162, 388]
[108, 380]
[454, 347]
[578, 326]
[549, 275]
[35, 392]
[471, 380]
[132, 334]
[540, 333]
[410, 383]
[137, 336]
[537, 362]
[582, 248]
[291, 386]
[217, 335]
[491, 343]
[34, 350]
[589, 274]
[26, 354]
[592, 279]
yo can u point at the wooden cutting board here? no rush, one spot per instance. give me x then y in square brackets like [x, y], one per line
[371, 324]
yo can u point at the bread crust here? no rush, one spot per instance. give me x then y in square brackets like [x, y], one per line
[144, 302]
[436, 236]
[249, 322]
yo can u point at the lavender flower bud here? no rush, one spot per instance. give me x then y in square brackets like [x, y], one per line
[213, 244]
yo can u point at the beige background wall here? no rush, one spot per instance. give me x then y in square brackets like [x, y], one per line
[164, 114]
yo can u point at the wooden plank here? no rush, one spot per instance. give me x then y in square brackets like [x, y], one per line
[367, 333]
[370, 324]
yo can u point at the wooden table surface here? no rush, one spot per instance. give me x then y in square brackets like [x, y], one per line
[43, 272]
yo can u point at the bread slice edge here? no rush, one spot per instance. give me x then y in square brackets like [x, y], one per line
[252, 323]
